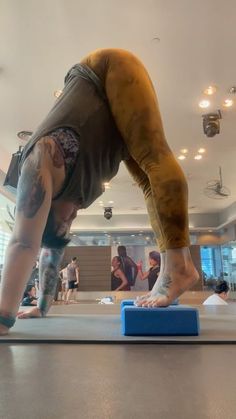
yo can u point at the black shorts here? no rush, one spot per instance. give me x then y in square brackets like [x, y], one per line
[72, 285]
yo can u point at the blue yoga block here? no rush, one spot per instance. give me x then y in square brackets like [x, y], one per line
[131, 303]
[126, 303]
[160, 321]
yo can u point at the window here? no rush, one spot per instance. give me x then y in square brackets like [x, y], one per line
[211, 263]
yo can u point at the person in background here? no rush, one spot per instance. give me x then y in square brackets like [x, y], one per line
[128, 265]
[34, 274]
[153, 272]
[29, 298]
[36, 284]
[119, 281]
[64, 283]
[220, 295]
[72, 277]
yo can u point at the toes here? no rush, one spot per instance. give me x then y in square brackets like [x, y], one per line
[160, 302]
[146, 303]
[141, 299]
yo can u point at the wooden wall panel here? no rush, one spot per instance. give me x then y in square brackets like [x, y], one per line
[95, 266]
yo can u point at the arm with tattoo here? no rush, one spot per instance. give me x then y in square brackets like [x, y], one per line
[34, 198]
[49, 266]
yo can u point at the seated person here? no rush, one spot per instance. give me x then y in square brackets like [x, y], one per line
[119, 281]
[220, 295]
[29, 298]
[153, 272]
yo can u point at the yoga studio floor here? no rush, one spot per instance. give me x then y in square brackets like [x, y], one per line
[76, 364]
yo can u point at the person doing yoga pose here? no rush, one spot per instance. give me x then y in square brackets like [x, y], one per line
[108, 112]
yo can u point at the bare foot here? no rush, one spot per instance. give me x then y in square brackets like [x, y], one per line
[29, 314]
[169, 287]
[177, 275]
[3, 330]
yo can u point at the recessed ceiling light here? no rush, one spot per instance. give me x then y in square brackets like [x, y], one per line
[204, 104]
[181, 157]
[110, 202]
[201, 150]
[184, 150]
[209, 231]
[57, 93]
[210, 90]
[107, 185]
[198, 157]
[228, 103]
[24, 135]
[232, 90]
[132, 235]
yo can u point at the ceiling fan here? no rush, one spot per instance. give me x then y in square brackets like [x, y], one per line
[215, 188]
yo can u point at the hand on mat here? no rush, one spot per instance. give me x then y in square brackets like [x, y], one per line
[29, 314]
[3, 330]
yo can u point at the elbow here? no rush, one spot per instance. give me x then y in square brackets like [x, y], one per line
[23, 244]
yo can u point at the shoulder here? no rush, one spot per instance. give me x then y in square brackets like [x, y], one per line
[118, 272]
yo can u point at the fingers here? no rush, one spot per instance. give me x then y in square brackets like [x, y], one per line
[23, 315]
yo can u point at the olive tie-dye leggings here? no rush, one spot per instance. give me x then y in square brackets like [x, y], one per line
[134, 105]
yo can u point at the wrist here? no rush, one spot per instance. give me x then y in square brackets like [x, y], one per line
[7, 320]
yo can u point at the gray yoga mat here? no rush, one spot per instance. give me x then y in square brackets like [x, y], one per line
[101, 324]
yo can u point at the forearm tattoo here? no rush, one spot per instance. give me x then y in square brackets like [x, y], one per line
[31, 191]
[49, 267]
[164, 284]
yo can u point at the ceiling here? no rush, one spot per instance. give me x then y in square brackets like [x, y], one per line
[186, 45]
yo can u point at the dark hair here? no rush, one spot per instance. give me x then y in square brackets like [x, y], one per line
[121, 251]
[27, 290]
[118, 258]
[50, 239]
[74, 259]
[155, 256]
[221, 286]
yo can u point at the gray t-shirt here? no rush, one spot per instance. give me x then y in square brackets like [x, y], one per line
[71, 272]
